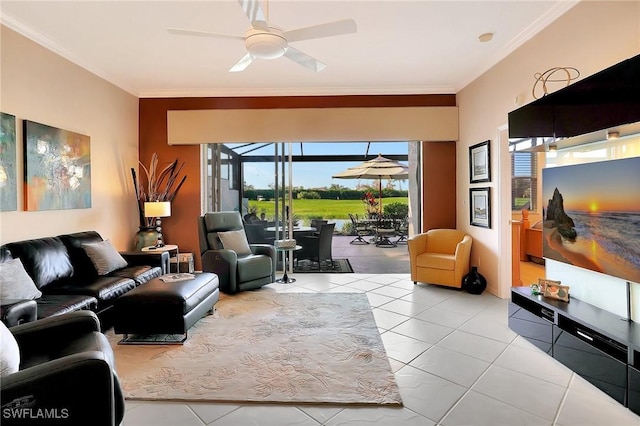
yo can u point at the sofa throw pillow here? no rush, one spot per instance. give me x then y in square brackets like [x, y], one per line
[104, 257]
[9, 352]
[15, 283]
[236, 241]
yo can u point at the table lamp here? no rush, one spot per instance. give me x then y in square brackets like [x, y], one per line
[158, 209]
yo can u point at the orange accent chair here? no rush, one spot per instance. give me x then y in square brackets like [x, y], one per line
[440, 256]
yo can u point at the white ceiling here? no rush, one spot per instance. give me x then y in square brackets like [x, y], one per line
[401, 47]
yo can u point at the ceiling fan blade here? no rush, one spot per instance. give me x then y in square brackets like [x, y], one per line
[253, 10]
[304, 59]
[180, 31]
[242, 64]
[330, 29]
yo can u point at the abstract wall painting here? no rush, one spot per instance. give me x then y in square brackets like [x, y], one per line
[57, 168]
[8, 180]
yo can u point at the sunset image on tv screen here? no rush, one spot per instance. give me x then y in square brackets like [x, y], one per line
[592, 216]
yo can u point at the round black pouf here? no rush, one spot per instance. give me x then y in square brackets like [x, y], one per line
[474, 282]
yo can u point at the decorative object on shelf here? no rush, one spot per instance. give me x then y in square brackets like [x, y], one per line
[158, 210]
[57, 168]
[543, 283]
[8, 180]
[557, 291]
[474, 282]
[480, 163]
[549, 76]
[162, 186]
[535, 289]
[480, 206]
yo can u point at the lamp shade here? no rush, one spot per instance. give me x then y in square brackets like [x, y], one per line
[157, 209]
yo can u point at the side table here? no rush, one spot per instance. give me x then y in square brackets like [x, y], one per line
[285, 250]
[171, 248]
[183, 262]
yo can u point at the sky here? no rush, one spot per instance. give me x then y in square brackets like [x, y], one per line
[600, 186]
[314, 175]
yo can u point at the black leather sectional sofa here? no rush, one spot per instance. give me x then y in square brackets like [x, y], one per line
[62, 271]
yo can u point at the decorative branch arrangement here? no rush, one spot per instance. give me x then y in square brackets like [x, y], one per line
[159, 186]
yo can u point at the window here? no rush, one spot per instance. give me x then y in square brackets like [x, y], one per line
[524, 180]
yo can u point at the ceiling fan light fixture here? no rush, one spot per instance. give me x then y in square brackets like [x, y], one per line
[266, 45]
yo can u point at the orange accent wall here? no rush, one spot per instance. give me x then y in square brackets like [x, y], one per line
[439, 185]
[182, 227]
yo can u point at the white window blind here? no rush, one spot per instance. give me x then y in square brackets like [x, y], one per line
[524, 180]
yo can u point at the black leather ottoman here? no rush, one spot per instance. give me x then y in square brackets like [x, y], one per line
[156, 311]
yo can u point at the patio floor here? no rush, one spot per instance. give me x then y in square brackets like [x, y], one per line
[369, 259]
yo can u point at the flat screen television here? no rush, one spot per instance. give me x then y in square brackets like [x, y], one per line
[592, 216]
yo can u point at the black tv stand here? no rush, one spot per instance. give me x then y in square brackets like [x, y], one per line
[591, 341]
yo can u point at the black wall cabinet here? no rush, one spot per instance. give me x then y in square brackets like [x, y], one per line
[604, 100]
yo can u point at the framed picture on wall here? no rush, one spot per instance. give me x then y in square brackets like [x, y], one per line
[8, 180]
[57, 168]
[480, 206]
[479, 163]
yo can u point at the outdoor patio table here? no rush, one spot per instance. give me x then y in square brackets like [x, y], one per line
[296, 229]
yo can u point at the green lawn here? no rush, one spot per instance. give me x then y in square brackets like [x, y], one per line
[322, 209]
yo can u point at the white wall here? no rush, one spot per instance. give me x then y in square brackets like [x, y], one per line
[40, 86]
[591, 36]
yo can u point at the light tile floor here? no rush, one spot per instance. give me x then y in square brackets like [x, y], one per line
[455, 359]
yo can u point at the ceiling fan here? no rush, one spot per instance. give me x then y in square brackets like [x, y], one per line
[268, 42]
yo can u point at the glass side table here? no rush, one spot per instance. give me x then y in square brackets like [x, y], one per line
[285, 250]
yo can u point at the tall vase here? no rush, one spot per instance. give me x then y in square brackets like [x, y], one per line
[474, 282]
[146, 236]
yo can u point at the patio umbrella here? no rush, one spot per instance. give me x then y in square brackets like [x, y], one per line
[377, 168]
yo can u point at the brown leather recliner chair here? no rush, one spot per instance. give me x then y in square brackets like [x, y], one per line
[440, 256]
[236, 271]
[66, 374]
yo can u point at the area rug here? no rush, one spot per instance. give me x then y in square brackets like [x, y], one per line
[336, 266]
[262, 346]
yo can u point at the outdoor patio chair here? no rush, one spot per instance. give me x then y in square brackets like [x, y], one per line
[256, 234]
[317, 248]
[384, 231]
[361, 229]
[317, 223]
[402, 230]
